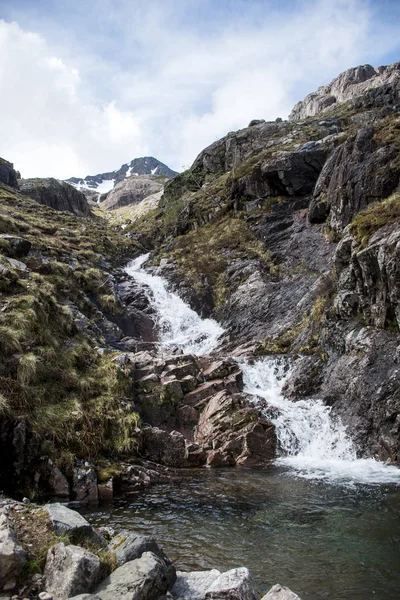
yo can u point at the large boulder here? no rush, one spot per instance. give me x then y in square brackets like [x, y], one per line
[128, 546]
[279, 592]
[145, 578]
[193, 585]
[56, 194]
[12, 556]
[68, 521]
[236, 584]
[14, 245]
[8, 175]
[70, 570]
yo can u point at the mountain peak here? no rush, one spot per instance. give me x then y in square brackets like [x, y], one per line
[102, 183]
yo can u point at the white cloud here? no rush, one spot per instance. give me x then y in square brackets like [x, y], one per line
[184, 87]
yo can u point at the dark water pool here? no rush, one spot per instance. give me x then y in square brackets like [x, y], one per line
[322, 541]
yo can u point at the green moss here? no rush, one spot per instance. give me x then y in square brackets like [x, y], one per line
[375, 216]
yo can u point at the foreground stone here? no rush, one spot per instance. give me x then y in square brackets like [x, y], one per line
[65, 520]
[279, 592]
[194, 585]
[12, 556]
[145, 578]
[70, 570]
[233, 585]
[128, 546]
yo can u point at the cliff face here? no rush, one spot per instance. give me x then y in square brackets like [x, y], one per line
[134, 190]
[56, 194]
[8, 175]
[287, 233]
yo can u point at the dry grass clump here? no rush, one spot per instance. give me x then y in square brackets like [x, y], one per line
[375, 216]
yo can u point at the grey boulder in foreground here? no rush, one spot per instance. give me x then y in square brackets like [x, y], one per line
[279, 592]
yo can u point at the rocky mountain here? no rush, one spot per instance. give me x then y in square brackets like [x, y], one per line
[135, 190]
[353, 82]
[286, 233]
[105, 182]
[56, 194]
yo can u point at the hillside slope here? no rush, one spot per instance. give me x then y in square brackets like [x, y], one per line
[286, 232]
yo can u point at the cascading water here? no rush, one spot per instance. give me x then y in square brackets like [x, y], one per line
[179, 326]
[313, 443]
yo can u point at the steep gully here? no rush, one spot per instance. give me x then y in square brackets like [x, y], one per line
[313, 443]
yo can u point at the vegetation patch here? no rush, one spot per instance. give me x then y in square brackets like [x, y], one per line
[375, 216]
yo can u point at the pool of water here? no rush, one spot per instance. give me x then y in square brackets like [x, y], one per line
[321, 540]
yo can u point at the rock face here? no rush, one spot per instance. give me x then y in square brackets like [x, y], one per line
[142, 579]
[12, 556]
[56, 194]
[70, 570]
[104, 182]
[356, 174]
[8, 175]
[347, 85]
[135, 190]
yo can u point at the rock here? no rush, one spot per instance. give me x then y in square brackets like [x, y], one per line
[8, 175]
[86, 597]
[358, 172]
[128, 546]
[278, 592]
[45, 596]
[106, 491]
[56, 194]
[70, 570]
[145, 578]
[254, 122]
[17, 246]
[58, 483]
[84, 485]
[135, 190]
[69, 521]
[193, 585]
[12, 556]
[347, 85]
[236, 584]
[163, 447]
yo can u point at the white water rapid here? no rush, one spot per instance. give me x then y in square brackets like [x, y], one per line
[178, 324]
[313, 443]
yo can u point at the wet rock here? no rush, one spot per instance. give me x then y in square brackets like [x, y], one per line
[18, 247]
[65, 520]
[233, 585]
[106, 491]
[84, 485]
[58, 483]
[12, 556]
[279, 592]
[145, 578]
[193, 585]
[70, 570]
[305, 379]
[128, 546]
[163, 447]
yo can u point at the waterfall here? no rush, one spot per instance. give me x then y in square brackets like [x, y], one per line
[313, 443]
[179, 326]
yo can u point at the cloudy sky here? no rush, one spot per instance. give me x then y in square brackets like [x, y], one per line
[87, 85]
